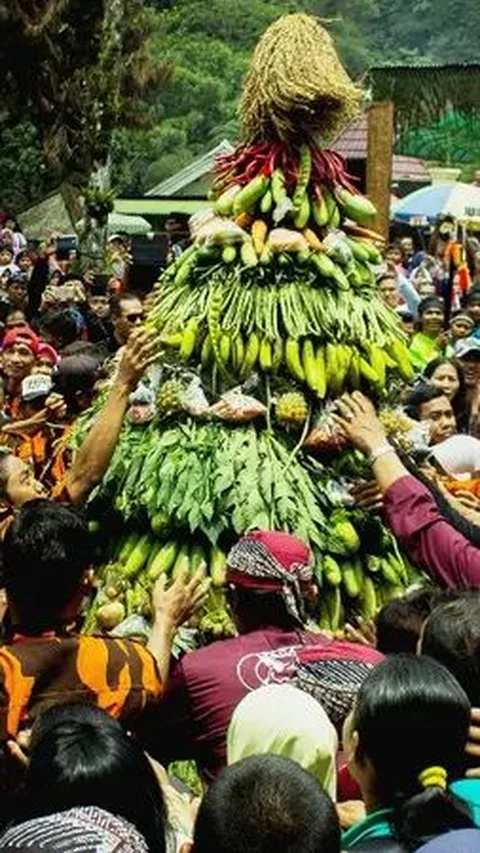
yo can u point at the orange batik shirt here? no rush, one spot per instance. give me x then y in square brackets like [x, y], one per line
[120, 676]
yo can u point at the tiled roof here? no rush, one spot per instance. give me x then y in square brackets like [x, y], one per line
[353, 143]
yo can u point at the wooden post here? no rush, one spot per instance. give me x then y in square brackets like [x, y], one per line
[379, 162]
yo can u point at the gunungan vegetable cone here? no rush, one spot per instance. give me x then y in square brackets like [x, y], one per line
[297, 84]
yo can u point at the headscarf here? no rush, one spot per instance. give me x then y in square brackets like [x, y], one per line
[85, 830]
[25, 335]
[282, 720]
[274, 561]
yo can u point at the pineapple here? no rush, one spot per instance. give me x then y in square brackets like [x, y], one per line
[291, 409]
[170, 397]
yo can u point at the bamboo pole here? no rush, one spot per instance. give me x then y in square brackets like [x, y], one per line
[379, 162]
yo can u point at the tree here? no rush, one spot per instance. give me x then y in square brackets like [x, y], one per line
[77, 70]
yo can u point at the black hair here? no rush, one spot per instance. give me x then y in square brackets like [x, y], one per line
[452, 636]
[387, 275]
[459, 401]
[263, 804]
[411, 714]
[76, 375]
[399, 623]
[79, 756]
[46, 551]
[17, 278]
[71, 276]
[473, 295]
[255, 609]
[61, 324]
[420, 395]
[430, 302]
[116, 301]
[97, 288]
[5, 309]
[6, 247]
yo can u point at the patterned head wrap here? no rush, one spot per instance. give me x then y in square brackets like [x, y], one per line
[84, 830]
[274, 561]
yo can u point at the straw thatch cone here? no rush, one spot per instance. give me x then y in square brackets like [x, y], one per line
[297, 84]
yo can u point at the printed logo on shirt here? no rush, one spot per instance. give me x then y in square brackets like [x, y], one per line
[273, 667]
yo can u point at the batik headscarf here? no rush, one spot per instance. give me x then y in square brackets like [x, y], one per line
[84, 830]
[274, 561]
[282, 720]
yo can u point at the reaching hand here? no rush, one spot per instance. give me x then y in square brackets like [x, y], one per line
[357, 417]
[365, 633]
[442, 340]
[142, 350]
[56, 407]
[350, 812]
[175, 605]
[367, 496]
[20, 747]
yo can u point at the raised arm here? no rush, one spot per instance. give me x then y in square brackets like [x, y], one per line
[93, 457]
[427, 537]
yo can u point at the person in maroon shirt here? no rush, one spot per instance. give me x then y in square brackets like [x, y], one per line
[269, 581]
[428, 538]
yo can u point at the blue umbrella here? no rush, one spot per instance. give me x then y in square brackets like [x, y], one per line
[423, 206]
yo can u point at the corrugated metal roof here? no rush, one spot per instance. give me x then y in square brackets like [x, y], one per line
[353, 144]
[181, 180]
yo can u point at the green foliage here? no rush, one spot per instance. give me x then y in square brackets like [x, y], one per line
[24, 176]
[207, 44]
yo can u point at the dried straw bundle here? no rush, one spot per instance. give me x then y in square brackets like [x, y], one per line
[296, 84]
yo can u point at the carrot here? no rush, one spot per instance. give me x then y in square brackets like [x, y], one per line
[313, 241]
[366, 233]
[244, 220]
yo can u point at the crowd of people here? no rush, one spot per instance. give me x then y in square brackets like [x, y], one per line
[304, 742]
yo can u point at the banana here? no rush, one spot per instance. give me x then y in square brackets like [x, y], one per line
[321, 373]
[251, 354]
[331, 365]
[225, 348]
[399, 352]
[378, 364]
[368, 373]
[354, 376]
[277, 354]
[265, 356]
[189, 338]
[309, 364]
[206, 354]
[238, 352]
[292, 360]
